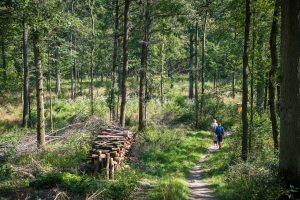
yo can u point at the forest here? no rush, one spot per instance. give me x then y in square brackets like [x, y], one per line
[150, 99]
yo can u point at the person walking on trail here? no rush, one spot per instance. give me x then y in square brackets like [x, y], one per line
[213, 126]
[220, 134]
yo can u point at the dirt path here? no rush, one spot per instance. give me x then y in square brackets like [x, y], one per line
[199, 189]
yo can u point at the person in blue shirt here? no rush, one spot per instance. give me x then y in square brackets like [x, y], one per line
[220, 134]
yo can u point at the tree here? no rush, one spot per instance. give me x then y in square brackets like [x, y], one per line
[92, 63]
[125, 64]
[161, 73]
[4, 61]
[25, 122]
[58, 73]
[196, 77]
[203, 61]
[39, 90]
[191, 55]
[144, 64]
[245, 83]
[114, 64]
[289, 161]
[272, 74]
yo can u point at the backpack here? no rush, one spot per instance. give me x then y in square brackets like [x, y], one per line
[219, 131]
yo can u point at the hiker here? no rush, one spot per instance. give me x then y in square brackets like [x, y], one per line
[220, 134]
[213, 126]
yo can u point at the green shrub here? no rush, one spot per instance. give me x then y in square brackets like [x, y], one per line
[120, 188]
[71, 182]
[5, 172]
[47, 181]
[124, 184]
[255, 180]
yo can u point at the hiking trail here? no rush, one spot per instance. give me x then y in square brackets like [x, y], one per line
[199, 189]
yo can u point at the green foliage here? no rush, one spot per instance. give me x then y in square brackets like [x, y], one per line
[166, 152]
[124, 185]
[120, 188]
[5, 172]
[71, 182]
[255, 180]
[171, 188]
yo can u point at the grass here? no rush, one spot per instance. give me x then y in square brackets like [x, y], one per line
[170, 188]
[215, 168]
[60, 166]
[167, 156]
[167, 150]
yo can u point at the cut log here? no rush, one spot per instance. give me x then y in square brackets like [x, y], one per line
[109, 148]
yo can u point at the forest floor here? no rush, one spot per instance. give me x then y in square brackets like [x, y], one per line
[199, 189]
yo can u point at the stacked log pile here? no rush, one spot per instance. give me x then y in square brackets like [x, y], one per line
[109, 149]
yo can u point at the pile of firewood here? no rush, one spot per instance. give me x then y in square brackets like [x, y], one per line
[109, 149]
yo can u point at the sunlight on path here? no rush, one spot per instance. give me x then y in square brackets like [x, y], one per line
[198, 188]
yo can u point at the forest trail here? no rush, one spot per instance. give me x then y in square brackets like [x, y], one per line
[199, 189]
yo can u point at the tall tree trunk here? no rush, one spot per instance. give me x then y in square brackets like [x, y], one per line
[266, 91]
[233, 81]
[114, 64]
[39, 91]
[191, 70]
[203, 62]
[143, 70]
[161, 74]
[260, 79]
[289, 161]
[252, 79]
[81, 80]
[57, 85]
[70, 34]
[91, 6]
[4, 62]
[25, 122]
[196, 78]
[125, 64]
[272, 73]
[233, 73]
[50, 93]
[245, 84]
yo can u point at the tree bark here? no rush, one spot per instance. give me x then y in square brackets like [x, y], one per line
[252, 80]
[196, 78]
[233, 81]
[260, 79]
[245, 84]
[191, 70]
[114, 64]
[4, 62]
[125, 64]
[289, 158]
[91, 6]
[25, 122]
[266, 91]
[143, 70]
[39, 91]
[233, 73]
[203, 62]
[161, 74]
[58, 75]
[272, 74]
[50, 93]
[72, 70]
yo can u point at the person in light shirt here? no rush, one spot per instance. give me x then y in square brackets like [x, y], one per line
[213, 126]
